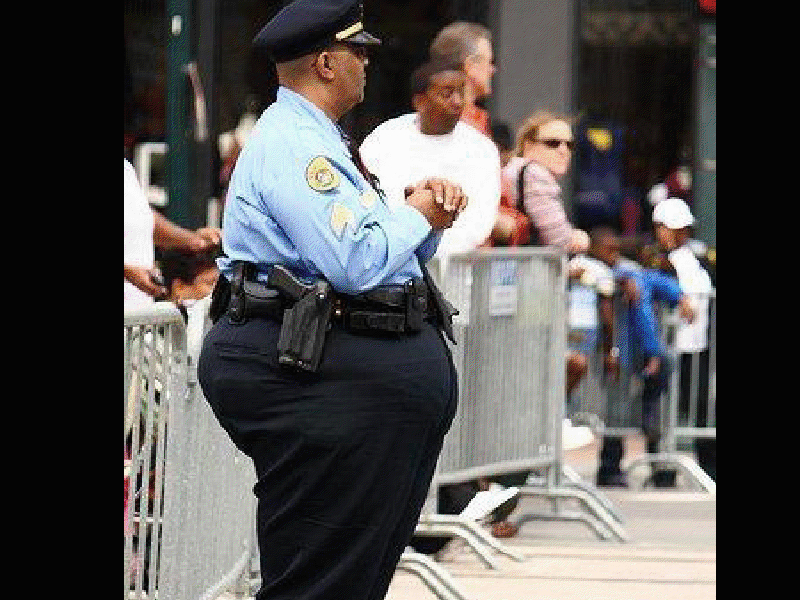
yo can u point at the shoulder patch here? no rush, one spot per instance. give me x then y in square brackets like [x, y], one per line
[320, 175]
[340, 217]
[369, 198]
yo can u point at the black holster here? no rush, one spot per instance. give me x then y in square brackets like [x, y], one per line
[304, 323]
[220, 298]
[304, 327]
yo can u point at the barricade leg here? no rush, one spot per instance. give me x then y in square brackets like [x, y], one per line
[476, 538]
[604, 523]
[438, 580]
[573, 479]
[687, 465]
[602, 517]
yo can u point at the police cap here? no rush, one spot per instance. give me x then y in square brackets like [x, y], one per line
[305, 26]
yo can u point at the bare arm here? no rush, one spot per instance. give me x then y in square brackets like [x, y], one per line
[169, 236]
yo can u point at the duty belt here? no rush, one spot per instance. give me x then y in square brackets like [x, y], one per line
[306, 310]
[387, 308]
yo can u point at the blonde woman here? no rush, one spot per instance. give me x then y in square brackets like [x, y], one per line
[544, 152]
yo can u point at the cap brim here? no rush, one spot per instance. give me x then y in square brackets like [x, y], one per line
[362, 37]
[674, 223]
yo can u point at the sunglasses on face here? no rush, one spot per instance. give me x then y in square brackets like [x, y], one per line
[359, 50]
[551, 143]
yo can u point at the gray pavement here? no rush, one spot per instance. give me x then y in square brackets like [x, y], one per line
[670, 553]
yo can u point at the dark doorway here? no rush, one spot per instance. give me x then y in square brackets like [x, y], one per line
[634, 95]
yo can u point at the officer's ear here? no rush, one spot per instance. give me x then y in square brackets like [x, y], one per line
[322, 64]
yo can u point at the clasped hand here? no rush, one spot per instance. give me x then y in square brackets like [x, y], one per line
[439, 200]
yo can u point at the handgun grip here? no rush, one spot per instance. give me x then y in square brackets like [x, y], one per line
[282, 279]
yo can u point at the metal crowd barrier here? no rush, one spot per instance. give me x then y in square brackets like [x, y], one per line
[510, 358]
[189, 510]
[697, 418]
[512, 340]
[613, 406]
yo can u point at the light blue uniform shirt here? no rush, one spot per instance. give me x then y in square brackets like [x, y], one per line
[277, 213]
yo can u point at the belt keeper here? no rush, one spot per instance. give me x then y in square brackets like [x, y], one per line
[416, 304]
[236, 308]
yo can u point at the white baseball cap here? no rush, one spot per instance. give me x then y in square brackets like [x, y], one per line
[673, 213]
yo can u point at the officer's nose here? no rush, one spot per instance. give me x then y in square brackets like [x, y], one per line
[457, 101]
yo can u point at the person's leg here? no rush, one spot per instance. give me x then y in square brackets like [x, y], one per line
[653, 392]
[576, 369]
[609, 472]
[401, 536]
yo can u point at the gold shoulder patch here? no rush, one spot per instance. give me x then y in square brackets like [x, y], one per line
[340, 217]
[369, 198]
[320, 175]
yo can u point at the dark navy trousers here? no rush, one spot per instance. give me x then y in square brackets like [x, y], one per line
[343, 457]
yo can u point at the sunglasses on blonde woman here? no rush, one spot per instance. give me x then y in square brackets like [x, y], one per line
[552, 143]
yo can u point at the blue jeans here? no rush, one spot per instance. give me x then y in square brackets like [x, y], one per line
[655, 386]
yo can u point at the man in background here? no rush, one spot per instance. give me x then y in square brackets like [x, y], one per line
[470, 46]
[434, 142]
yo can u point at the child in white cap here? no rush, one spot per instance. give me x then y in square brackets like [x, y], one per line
[672, 221]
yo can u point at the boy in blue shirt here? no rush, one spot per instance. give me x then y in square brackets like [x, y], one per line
[640, 347]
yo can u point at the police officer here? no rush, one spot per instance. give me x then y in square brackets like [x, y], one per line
[326, 363]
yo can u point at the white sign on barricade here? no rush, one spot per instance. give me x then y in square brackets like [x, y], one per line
[504, 288]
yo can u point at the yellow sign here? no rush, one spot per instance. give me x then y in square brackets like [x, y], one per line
[321, 176]
[600, 138]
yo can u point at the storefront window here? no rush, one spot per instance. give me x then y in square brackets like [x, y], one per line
[634, 96]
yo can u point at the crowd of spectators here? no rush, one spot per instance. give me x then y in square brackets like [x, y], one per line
[515, 192]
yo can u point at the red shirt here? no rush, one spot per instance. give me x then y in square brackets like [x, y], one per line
[479, 119]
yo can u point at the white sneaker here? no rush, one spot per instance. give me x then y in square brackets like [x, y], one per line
[575, 437]
[483, 503]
